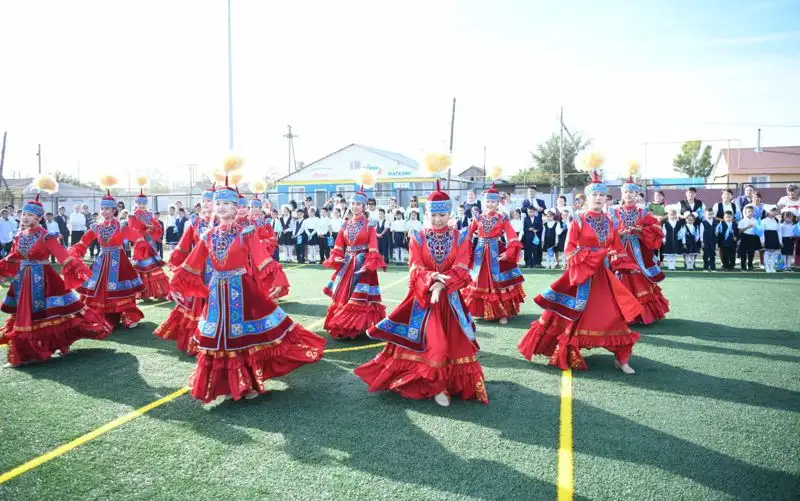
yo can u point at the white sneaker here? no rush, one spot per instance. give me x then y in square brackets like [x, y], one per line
[503, 321]
[133, 325]
[251, 395]
[442, 399]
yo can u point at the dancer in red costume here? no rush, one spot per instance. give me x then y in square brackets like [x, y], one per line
[354, 290]
[45, 314]
[432, 348]
[641, 236]
[587, 307]
[266, 234]
[114, 284]
[146, 260]
[181, 324]
[496, 292]
[244, 337]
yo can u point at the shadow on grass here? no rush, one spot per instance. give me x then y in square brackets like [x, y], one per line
[719, 332]
[679, 345]
[114, 376]
[375, 434]
[142, 337]
[657, 376]
[316, 309]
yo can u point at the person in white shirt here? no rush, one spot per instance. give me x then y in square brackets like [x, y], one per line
[323, 234]
[399, 240]
[372, 208]
[52, 227]
[787, 238]
[77, 225]
[771, 240]
[414, 223]
[169, 227]
[8, 227]
[311, 229]
[791, 201]
[749, 242]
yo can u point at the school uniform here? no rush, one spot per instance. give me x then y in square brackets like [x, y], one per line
[727, 237]
[529, 240]
[299, 238]
[384, 241]
[749, 242]
[708, 237]
[323, 235]
[671, 246]
[771, 242]
[550, 233]
[786, 232]
[690, 237]
[398, 229]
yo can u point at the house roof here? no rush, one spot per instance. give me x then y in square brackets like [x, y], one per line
[773, 160]
[395, 157]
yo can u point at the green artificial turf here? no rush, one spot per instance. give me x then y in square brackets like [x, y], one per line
[712, 413]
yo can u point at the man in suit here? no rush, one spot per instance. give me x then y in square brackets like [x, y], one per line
[529, 236]
[62, 220]
[538, 206]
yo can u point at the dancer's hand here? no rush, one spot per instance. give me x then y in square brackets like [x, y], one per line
[436, 291]
[338, 260]
[502, 257]
[275, 292]
[440, 277]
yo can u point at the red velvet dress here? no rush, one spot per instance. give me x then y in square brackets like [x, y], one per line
[432, 346]
[114, 284]
[496, 291]
[641, 247]
[354, 287]
[146, 260]
[587, 307]
[244, 338]
[181, 324]
[45, 313]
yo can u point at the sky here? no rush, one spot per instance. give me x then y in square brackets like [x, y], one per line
[141, 86]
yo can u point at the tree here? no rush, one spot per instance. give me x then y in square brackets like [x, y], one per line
[545, 169]
[691, 162]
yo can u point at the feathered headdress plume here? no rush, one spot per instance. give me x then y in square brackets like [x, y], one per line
[634, 168]
[45, 183]
[258, 186]
[232, 179]
[108, 181]
[142, 180]
[366, 178]
[588, 161]
[232, 163]
[495, 172]
[436, 162]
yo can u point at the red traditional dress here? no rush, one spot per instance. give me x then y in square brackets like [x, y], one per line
[354, 290]
[587, 307]
[45, 314]
[431, 346]
[244, 338]
[146, 260]
[181, 324]
[114, 284]
[496, 291]
[641, 246]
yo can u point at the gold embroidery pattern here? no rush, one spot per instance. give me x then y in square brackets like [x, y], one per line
[435, 365]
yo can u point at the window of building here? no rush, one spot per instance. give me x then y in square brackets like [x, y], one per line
[759, 181]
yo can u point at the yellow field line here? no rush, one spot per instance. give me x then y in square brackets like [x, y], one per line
[565, 486]
[60, 451]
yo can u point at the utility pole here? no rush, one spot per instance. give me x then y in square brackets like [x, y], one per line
[292, 156]
[39, 157]
[561, 150]
[3, 161]
[484, 167]
[452, 128]
[230, 82]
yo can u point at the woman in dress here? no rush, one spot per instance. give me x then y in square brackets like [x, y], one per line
[587, 307]
[146, 260]
[641, 236]
[45, 314]
[266, 234]
[431, 350]
[114, 284]
[181, 324]
[354, 290]
[496, 292]
[244, 338]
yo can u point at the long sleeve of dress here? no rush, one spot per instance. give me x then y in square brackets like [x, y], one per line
[72, 269]
[652, 234]
[336, 253]
[420, 278]
[79, 249]
[619, 260]
[459, 272]
[582, 262]
[141, 248]
[513, 246]
[264, 267]
[374, 261]
[9, 265]
[183, 248]
[188, 278]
